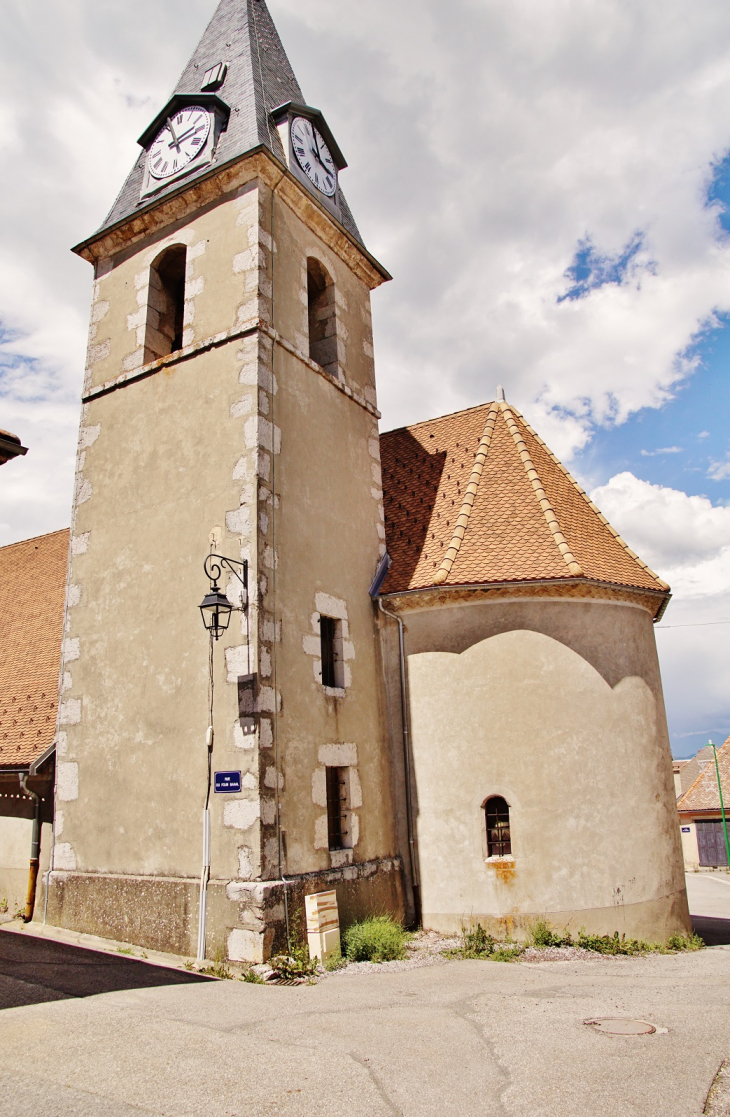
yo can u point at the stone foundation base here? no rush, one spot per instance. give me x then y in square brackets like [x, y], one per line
[247, 920]
[652, 920]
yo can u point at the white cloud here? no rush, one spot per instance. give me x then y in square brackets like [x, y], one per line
[719, 471]
[686, 539]
[508, 133]
[662, 450]
[486, 141]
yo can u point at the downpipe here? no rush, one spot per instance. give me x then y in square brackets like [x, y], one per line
[412, 855]
[35, 848]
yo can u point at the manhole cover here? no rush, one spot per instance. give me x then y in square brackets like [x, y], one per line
[622, 1027]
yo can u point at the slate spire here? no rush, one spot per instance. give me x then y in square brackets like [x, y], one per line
[259, 78]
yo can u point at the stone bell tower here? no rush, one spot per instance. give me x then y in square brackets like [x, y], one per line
[229, 405]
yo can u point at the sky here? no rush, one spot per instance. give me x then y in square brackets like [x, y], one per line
[549, 185]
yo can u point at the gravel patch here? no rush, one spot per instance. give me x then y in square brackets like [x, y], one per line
[562, 954]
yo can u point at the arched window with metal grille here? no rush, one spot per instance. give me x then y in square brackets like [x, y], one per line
[499, 841]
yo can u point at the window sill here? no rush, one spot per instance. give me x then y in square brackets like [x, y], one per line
[334, 691]
[340, 857]
[506, 857]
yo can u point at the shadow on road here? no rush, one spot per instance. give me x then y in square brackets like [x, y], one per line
[715, 932]
[33, 971]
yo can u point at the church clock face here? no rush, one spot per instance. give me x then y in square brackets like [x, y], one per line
[313, 155]
[179, 142]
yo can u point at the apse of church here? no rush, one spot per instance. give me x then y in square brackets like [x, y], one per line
[411, 747]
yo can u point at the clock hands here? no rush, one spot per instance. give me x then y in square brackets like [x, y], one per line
[175, 140]
[185, 136]
[318, 155]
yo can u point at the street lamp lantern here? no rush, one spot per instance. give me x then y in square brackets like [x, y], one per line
[215, 608]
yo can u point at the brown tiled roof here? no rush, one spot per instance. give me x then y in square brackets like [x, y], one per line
[477, 497]
[703, 795]
[32, 589]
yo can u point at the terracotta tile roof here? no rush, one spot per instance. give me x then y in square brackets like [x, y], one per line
[32, 590]
[477, 497]
[703, 795]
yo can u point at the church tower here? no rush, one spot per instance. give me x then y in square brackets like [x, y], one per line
[229, 406]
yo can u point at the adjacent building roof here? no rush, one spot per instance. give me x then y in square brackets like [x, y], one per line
[704, 794]
[10, 447]
[477, 497]
[689, 770]
[259, 79]
[32, 590]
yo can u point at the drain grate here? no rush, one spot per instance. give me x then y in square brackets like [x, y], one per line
[621, 1027]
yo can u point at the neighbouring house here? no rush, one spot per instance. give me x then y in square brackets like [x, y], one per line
[687, 771]
[32, 588]
[700, 815]
[445, 666]
[10, 447]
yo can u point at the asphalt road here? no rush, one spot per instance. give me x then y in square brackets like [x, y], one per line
[709, 905]
[460, 1038]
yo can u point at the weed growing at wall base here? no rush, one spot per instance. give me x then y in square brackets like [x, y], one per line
[478, 943]
[542, 936]
[376, 939]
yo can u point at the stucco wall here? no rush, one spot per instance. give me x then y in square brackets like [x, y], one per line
[557, 706]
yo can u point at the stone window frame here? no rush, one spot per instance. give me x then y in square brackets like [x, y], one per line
[343, 756]
[325, 605]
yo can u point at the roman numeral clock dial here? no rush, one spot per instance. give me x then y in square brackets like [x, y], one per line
[313, 155]
[179, 142]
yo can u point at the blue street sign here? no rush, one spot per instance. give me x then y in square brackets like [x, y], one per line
[227, 782]
[686, 830]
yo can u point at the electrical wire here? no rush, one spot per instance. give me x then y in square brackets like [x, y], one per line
[695, 624]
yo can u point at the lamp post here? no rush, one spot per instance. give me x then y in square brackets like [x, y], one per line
[215, 609]
[722, 804]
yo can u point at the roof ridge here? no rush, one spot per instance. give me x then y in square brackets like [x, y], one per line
[467, 503]
[619, 539]
[438, 418]
[534, 478]
[33, 538]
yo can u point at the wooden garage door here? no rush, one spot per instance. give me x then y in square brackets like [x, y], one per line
[711, 843]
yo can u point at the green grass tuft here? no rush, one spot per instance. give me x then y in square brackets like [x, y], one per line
[379, 938]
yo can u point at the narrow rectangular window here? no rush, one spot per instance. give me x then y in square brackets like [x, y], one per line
[330, 634]
[336, 807]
